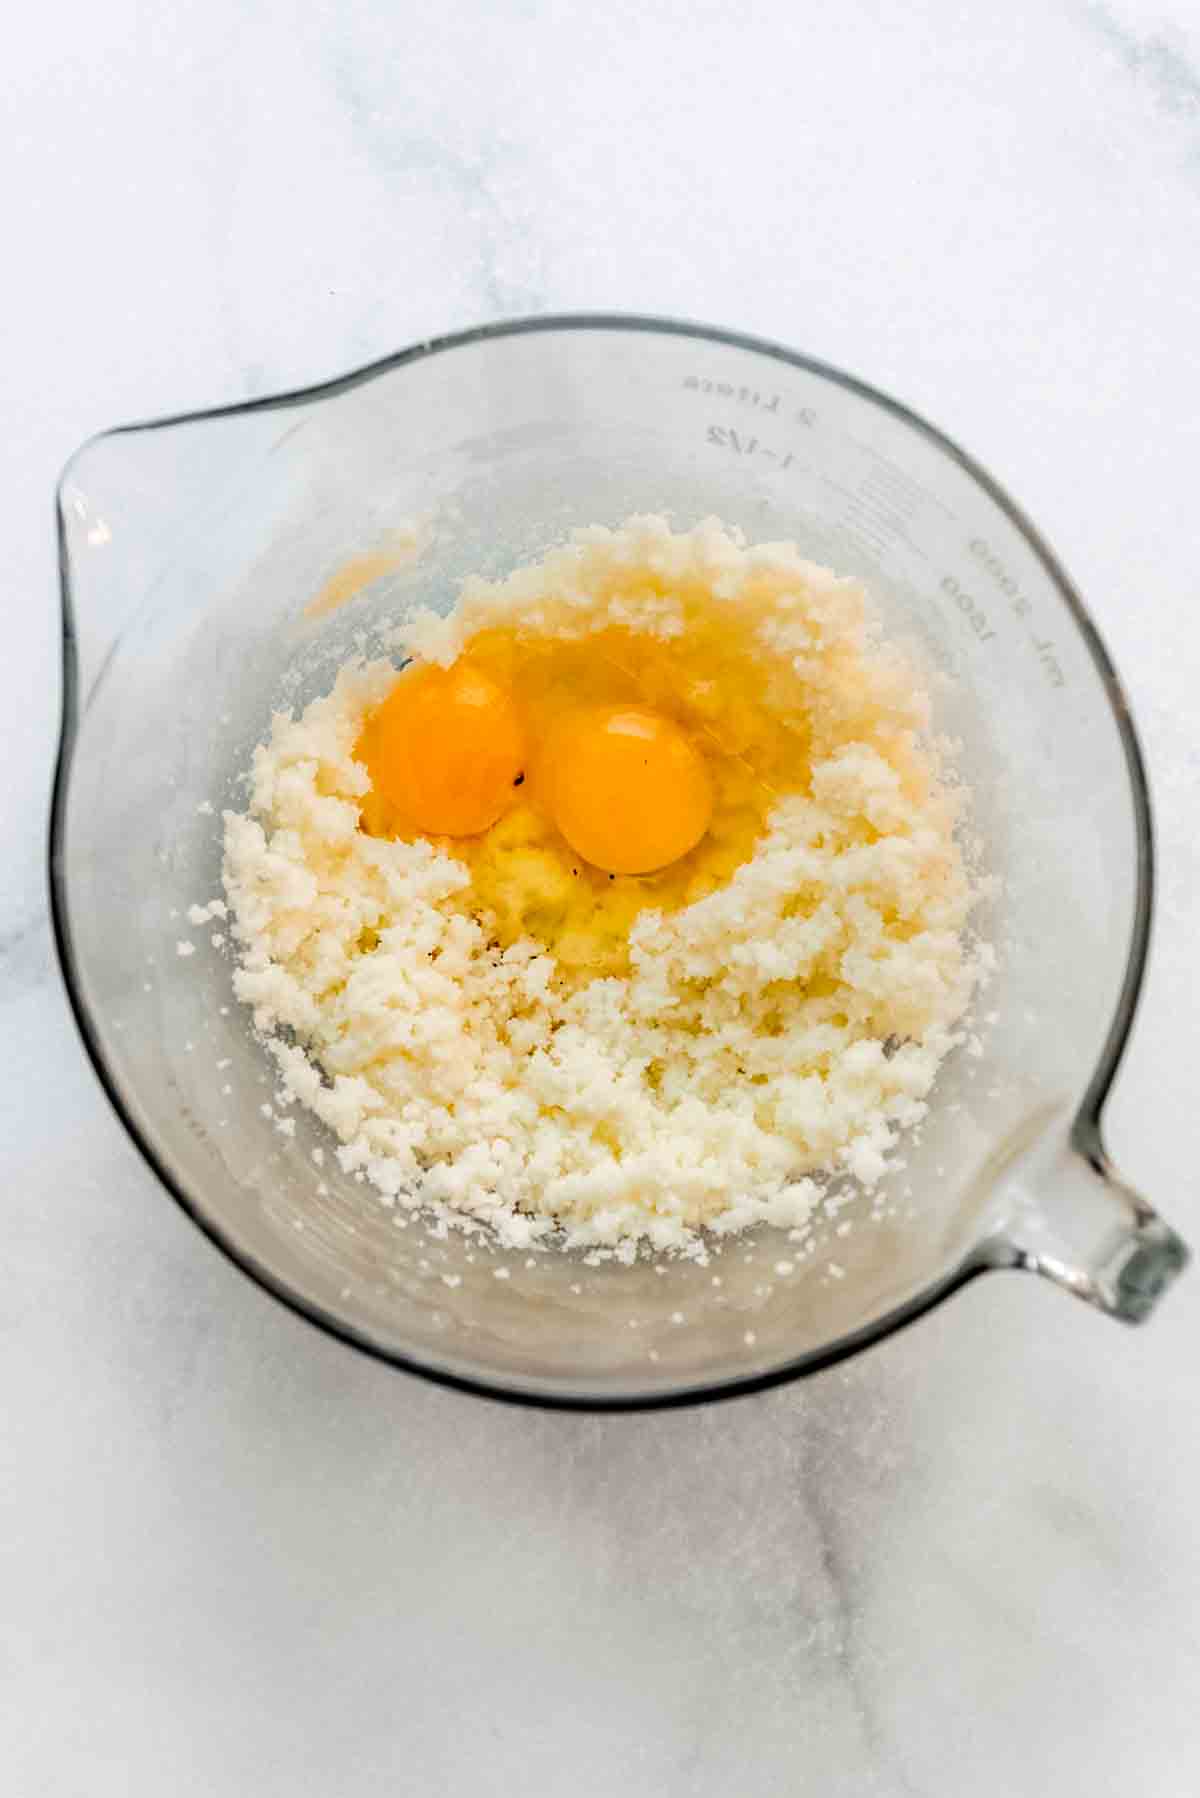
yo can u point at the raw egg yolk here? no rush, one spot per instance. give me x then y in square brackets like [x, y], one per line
[626, 787]
[445, 749]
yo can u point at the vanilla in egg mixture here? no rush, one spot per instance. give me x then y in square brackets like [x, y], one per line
[584, 781]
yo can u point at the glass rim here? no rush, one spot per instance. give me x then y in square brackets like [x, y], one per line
[982, 1256]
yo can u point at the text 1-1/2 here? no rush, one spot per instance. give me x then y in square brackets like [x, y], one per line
[742, 444]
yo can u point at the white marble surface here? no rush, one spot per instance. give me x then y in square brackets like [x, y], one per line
[234, 1557]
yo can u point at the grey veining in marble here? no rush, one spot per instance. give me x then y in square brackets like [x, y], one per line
[234, 1557]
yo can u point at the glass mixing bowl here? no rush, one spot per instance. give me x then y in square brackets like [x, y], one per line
[190, 550]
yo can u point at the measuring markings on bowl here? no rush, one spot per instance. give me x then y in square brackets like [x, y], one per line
[1020, 605]
[886, 499]
[753, 397]
[725, 437]
[878, 509]
[881, 506]
[970, 608]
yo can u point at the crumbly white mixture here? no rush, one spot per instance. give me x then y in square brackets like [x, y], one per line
[782, 1027]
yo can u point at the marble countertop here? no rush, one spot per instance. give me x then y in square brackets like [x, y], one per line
[237, 1558]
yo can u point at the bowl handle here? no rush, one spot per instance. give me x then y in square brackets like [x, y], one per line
[1072, 1218]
